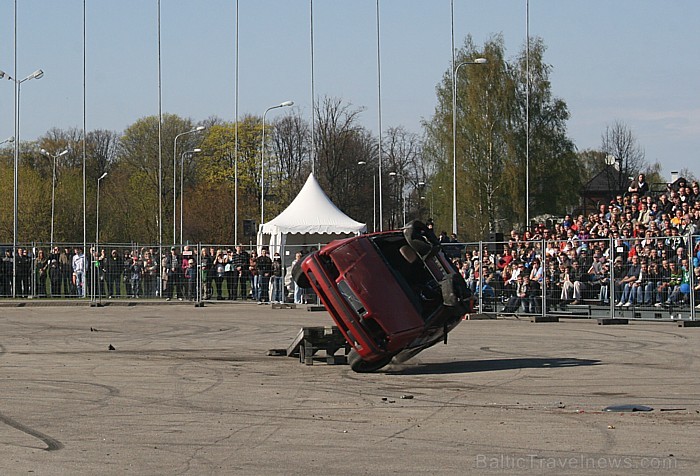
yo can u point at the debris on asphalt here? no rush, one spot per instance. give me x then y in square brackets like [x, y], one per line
[111, 347]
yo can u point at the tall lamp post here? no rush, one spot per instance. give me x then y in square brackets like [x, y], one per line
[94, 281]
[403, 195]
[38, 74]
[97, 223]
[454, 137]
[188, 153]
[196, 129]
[53, 184]
[262, 158]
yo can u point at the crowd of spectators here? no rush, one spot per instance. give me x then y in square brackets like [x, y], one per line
[211, 273]
[640, 249]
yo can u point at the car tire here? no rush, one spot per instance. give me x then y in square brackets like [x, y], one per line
[299, 276]
[361, 366]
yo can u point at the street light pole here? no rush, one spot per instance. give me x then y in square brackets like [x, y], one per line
[454, 137]
[38, 74]
[188, 153]
[262, 159]
[97, 223]
[196, 129]
[53, 184]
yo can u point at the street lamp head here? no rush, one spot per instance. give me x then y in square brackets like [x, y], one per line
[102, 176]
[64, 152]
[393, 174]
[361, 162]
[199, 128]
[481, 61]
[38, 74]
[287, 104]
[196, 150]
[45, 152]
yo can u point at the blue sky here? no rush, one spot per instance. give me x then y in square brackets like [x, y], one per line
[633, 61]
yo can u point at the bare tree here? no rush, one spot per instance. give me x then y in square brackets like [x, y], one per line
[290, 156]
[402, 155]
[619, 142]
[340, 144]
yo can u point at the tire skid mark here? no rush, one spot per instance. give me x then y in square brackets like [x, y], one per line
[52, 444]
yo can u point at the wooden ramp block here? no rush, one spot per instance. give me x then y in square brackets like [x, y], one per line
[689, 324]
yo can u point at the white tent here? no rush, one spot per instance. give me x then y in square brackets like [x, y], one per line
[310, 219]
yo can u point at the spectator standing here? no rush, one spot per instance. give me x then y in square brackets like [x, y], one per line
[191, 278]
[254, 277]
[113, 269]
[41, 273]
[54, 272]
[65, 266]
[78, 265]
[135, 273]
[277, 279]
[219, 271]
[205, 267]
[298, 290]
[23, 268]
[6, 266]
[241, 260]
[263, 268]
[150, 276]
[639, 186]
[230, 271]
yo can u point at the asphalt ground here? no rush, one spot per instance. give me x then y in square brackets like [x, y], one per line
[191, 391]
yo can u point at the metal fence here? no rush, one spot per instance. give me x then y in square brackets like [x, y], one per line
[144, 271]
[646, 277]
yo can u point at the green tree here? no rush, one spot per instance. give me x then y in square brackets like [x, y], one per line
[209, 206]
[491, 142]
[135, 176]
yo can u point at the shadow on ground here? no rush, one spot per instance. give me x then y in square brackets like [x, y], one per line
[490, 365]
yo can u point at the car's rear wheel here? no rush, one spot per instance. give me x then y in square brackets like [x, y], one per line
[362, 366]
[299, 276]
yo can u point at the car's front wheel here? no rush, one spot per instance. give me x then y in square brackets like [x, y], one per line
[359, 365]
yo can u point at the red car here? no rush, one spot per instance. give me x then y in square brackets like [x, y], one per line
[392, 294]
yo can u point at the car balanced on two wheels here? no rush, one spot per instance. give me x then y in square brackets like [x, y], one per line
[392, 294]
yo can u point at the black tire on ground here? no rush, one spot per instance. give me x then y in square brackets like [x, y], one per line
[299, 276]
[362, 366]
